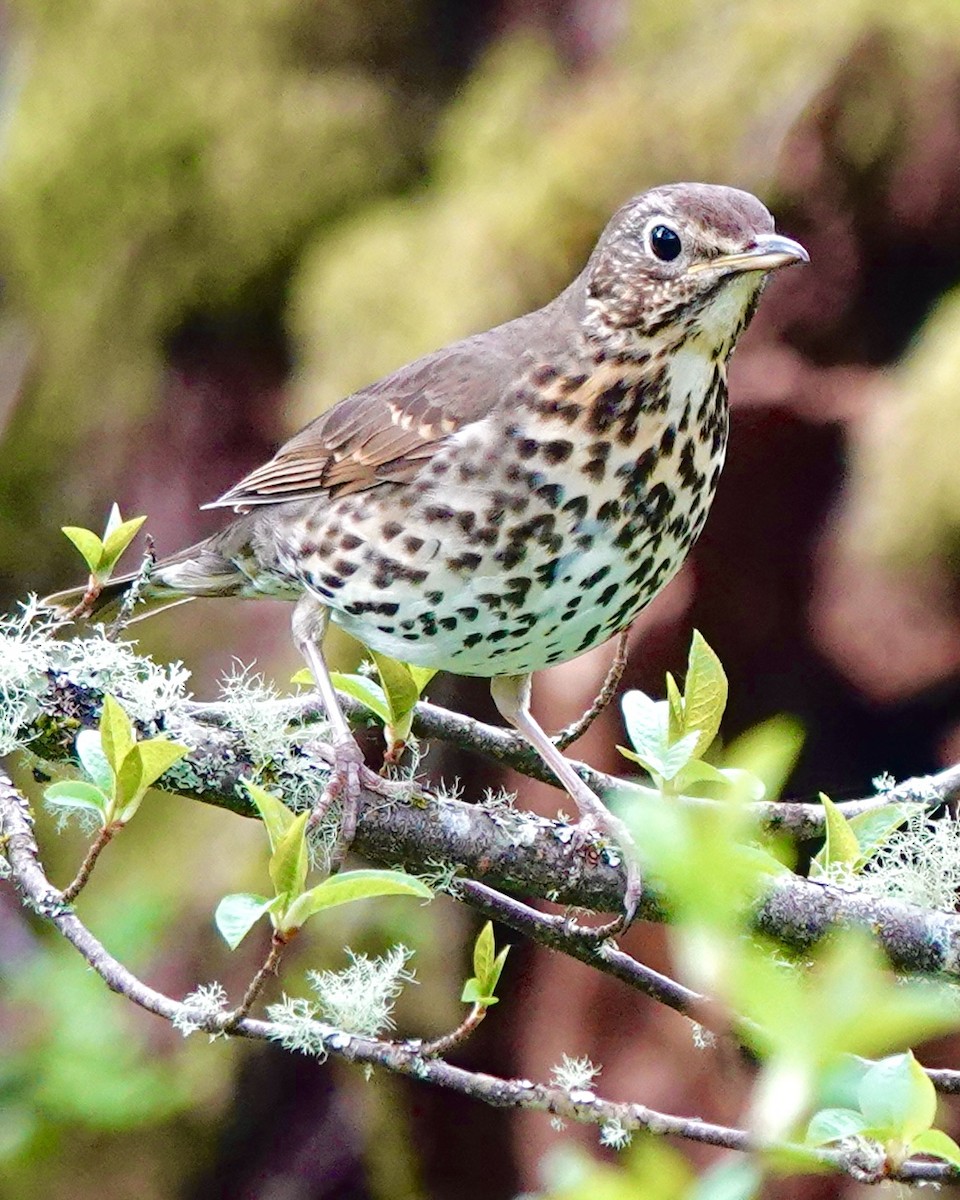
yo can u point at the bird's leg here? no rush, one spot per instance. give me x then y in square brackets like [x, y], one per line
[310, 620]
[511, 694]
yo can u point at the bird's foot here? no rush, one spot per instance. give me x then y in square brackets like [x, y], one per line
[345, 785]
[605, 825]
[349, 777]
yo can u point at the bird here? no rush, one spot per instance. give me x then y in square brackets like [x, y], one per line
[514, 499]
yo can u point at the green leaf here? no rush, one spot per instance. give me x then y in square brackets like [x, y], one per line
[290, 860]
[848, 1002]
[118, 540]
[704, 693]
[237, 914]
[834, 1124]
[157, 755]
[398, 684]
[646, 721]
[115, 542]
[841, 847]
[142, 766]
[675, 712]
[114, 520]
[473, 993]
[116, 733]
[93, 760]
[366, 691]
[938, 1144]
[276, 817]
[679, 754]
[304, 676]
[87, 542]
[746, 785]
[421, 676]
[497, 969]
[77, 793]
[484, 951]
[128, 788]
[769, 751]
[896, 1094]
[398, 730]
[487, 968]
[650, 762]
[873, 829]
[349, 886]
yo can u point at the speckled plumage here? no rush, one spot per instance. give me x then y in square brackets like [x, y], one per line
[516, 498]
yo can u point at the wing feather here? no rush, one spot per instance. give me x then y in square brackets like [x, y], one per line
[387, 431]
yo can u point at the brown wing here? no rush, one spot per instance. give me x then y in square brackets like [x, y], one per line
[385, 432]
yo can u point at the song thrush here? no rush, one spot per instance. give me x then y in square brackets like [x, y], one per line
[514, 499]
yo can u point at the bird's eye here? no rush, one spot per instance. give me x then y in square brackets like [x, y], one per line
[665, 243]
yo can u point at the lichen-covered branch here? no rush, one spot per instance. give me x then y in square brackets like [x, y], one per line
[402, 1057]
[504, 848]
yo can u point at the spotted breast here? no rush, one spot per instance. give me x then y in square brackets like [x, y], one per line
[535, 533]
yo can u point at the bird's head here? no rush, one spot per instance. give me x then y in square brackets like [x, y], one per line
[685, 260]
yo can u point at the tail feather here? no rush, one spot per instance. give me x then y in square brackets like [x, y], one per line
[197, 571]
[106, 606]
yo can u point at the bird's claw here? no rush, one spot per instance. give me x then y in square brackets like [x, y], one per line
[582, 840]
[344, 786]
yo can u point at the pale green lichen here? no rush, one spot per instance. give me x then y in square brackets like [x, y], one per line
[360, 998]
[208, 1000]
[293, 1026]
[920, 863]
[574, 1074]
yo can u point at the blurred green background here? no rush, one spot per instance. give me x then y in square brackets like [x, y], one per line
[216, 218]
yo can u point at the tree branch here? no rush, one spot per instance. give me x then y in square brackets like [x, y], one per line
[402, 1057]
[800, 819]
[511, 850]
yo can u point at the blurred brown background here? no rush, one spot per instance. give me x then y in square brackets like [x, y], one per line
[218, 217]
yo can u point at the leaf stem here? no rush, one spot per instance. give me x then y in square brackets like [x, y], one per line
[103, 839]
[255, 987]
[466, 1027]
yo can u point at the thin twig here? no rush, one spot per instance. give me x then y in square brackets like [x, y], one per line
[131, 597]
[100, 843]
[87, 600]
[558, 933]
[576, 730]
[466, 1027]
[270, 964]
[404, 1058]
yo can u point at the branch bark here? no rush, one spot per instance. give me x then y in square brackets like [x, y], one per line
[401, 1057]
[519, 852]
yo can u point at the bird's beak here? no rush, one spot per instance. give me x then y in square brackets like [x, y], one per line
[768, 252]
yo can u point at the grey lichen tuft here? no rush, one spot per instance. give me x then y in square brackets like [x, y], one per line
[920, 862]
[147, 690]
[574, 1074]
[32, 658]
[294, 1027]
[283, 754]
[360, 998]
[24, 661]
[209, 1000]
[615, 1134]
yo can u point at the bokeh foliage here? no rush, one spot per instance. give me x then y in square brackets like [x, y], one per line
[314, 163]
